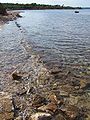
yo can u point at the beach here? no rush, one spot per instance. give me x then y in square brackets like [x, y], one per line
[36, 83]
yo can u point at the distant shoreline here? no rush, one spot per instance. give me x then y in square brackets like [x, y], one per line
[9, 17]
[34, 6]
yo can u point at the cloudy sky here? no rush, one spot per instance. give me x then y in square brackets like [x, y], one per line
[65, 2]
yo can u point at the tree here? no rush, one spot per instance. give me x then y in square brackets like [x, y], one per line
[2, 10]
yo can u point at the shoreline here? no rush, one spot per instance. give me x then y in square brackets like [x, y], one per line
[34, 92]
[11, 15]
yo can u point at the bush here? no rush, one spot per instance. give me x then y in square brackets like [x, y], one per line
[2, 10]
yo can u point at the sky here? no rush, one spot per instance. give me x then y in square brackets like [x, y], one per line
[80, 3]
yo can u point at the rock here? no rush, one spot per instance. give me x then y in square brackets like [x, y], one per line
[64, 93]
[71, 111]
[21, 91]
[15, 76]
[87, 87]
[59, 117]
[19, 118]
[31, 90]
[18, 15]
[53, 98]
[38, 101]
[73, 100]
[65, 89]
[82, 83]
[6, 106]
[52, 107]
[55, 71]
[88, 118]
[6, 116]
[41, 116]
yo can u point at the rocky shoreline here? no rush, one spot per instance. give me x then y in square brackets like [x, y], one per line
[11, 15]
[33, 91]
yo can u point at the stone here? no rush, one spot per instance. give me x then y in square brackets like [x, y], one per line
[82, 83]
[21, 91]
[71, 111]
[38, 101]
[6, 116]
[88, 118]
[6, 106]
[52, 107]
[41, 116]
[55, 71]
[64, 93]
[65, 89]
[73, 100]
[19, 118]
[59, 117]
[15, 76]
[53, 98]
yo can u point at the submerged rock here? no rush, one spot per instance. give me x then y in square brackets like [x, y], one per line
[41, 116]
[38, 101]
[59, 117]
[71, 111]
[15, 76]
[52, 107]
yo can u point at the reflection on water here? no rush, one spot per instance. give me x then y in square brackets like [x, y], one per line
[59, 36]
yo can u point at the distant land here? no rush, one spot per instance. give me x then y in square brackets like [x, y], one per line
[34, 6]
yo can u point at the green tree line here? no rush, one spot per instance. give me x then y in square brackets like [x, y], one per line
[2, 9]
[34, 6]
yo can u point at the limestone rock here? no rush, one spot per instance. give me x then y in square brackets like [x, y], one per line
[6, 106]
[52, 107]
[41, 116]
[16, 76]
[38, 100]
[71, 111]
[59, 117]
[53, 98]
[19, 118]
[64, 93]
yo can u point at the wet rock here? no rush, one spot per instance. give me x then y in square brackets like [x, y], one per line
[19, 118]
[55, 71]
[59, 117]
[67, 88]
[38, 101]
[52, 107]
[88, 118]
[53, 98]
[83, 83]
[18, 15]
[17, 102]
[73, 100]
[21, 91]
[15, 76]
[87, 86]
[41, 116]
[64, 93]
[6, 106]
[31, 90]
[71, 111]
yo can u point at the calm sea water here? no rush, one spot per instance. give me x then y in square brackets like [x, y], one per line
[59, 36]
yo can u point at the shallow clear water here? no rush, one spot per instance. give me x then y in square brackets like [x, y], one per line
[59, 36]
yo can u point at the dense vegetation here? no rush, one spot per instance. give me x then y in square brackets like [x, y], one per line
[2, 10]
[34, 6]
